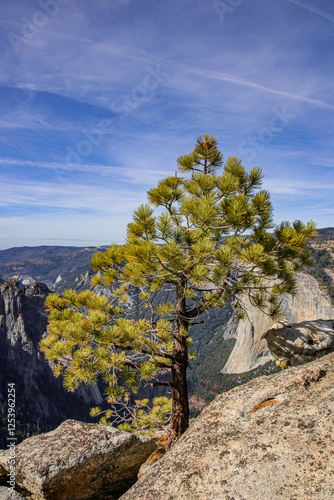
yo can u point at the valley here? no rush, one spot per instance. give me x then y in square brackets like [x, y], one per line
[227, 353]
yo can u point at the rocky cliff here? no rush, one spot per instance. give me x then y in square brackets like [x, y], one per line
[41, 401]
[270, 439]
[250, 351]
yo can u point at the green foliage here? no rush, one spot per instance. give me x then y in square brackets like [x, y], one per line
[141, 416]
[213, 244]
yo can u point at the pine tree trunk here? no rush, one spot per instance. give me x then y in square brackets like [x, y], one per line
[180, 408]
[180, 403]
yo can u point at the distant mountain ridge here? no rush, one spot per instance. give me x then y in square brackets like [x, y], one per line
[44, 264]
[23, 253]
[327, 232]
[62, 267]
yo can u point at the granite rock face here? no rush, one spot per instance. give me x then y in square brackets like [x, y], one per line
[270, 439]
[251, 350]
[298, 343]
[39, 395]
[79, 461]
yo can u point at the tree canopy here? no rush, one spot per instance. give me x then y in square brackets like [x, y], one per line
[205, 239]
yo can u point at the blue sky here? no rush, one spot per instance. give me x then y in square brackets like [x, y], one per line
[98, 99]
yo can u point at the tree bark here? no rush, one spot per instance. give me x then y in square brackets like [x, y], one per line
[180, 403]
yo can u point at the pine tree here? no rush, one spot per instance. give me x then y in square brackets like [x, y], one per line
[210, 243]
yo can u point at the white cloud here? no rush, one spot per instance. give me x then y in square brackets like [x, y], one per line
[315, 10]
[69, 196]
[134, 175]
[228, 79]
[50, 229]
[293, 186]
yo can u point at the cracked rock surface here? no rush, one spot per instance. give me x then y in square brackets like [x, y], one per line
[269, 439]
[79, 461]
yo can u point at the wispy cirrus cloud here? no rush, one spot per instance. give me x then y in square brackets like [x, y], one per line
[122, 174]
[294, 186]
[313, 9]
[68, 196]
[228, 78]
[204, 73]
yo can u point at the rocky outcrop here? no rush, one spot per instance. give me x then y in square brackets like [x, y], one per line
[298, 343]
[8, 494]
[251, 350]
[79, 461]
[270, 439]
[41, 401]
